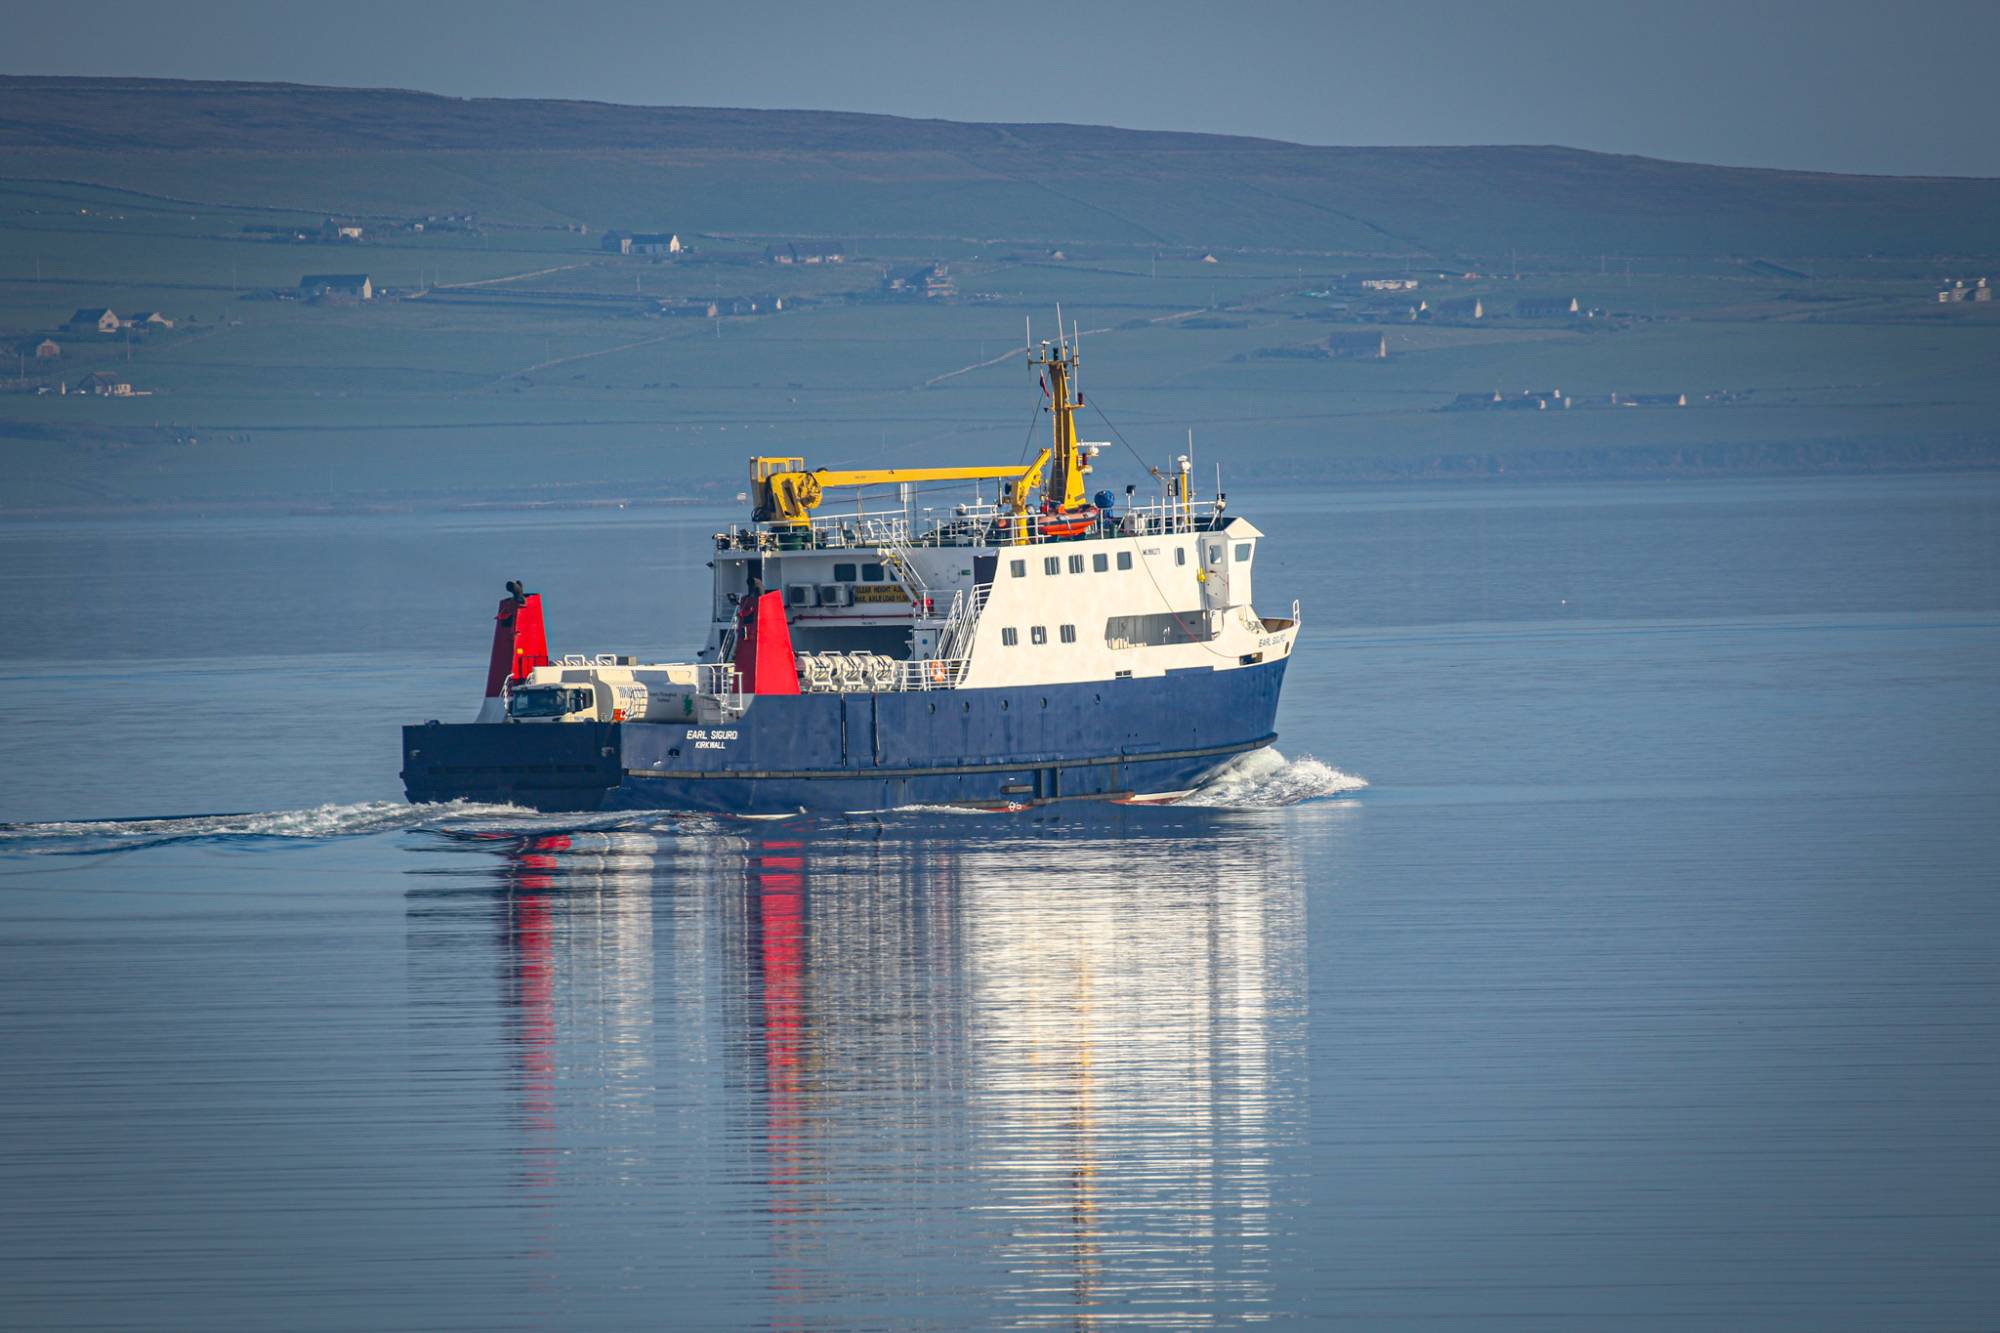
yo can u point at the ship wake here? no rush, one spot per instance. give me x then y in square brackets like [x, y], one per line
[1265, 779]
[315, 823]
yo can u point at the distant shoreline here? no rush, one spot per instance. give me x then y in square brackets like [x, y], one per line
[1705, 463]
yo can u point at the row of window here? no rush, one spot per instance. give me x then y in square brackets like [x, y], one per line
[1100, 563]
[1011, 637]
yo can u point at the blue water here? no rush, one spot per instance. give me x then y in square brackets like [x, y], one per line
[1648, 982]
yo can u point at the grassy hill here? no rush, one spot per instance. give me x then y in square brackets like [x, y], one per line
[509, 355]
[776, 172]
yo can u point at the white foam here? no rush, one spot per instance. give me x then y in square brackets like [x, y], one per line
[1265, 779]
[320, 821]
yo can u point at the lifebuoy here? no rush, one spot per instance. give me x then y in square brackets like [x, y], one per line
[937, 671]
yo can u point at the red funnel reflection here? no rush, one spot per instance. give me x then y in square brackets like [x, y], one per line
[531, 951]
[777, 881]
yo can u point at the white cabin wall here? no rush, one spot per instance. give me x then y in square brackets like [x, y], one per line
[1156, 583]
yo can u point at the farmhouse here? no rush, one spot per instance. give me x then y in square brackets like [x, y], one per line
[1546, 307]
[700, 308]
[642, 243]
[277, 233]
[100, 320]
[1388, 284]
[104, 384]
[806, 252]
[933, 282]
[149, 319]
[48, 349]
[337, 287]
[1529, 400]
[1372, 345]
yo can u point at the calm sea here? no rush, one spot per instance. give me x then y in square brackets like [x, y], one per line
[1614, 945]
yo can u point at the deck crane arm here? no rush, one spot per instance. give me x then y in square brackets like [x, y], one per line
[783, 491]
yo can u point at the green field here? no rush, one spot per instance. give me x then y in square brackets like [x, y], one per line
[512, 358]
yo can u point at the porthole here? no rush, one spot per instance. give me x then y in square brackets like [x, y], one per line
[1045, 703]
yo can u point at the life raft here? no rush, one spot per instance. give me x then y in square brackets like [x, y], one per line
[1069, 522]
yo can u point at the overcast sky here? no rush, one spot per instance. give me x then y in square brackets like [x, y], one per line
[1839, 85]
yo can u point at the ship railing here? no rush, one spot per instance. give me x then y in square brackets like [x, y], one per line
[962, 621]
[870, 673]
[973, 524]
[872, 527]
[891, 541]
[718, 678]
[937, 673]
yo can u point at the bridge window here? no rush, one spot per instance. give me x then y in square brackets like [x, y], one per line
[1051, 565]
[1243, 552]
[1018, 568]
[871, 574]
[1099, 563]
[1124, 560]
[1180, 555]
[1154, 630]
[1039, 634]
[1069, 634]
[843, 573]
[1009, 637]
[1076, 564]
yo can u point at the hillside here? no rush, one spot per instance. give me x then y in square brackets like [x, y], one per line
[780, 172]
[1311, 313]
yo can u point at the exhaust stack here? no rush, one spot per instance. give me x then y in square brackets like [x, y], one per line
[519, 646]
[764, 657]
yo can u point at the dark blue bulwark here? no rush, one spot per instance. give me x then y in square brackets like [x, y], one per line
[571, 766]
[1101, 739]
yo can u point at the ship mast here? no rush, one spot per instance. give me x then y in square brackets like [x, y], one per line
[1060, 360]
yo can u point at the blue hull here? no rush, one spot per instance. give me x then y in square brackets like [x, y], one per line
[846, 752]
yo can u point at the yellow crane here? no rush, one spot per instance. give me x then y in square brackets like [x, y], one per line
[783, 491]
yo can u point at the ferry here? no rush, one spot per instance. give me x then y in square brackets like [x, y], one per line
[1043, 645]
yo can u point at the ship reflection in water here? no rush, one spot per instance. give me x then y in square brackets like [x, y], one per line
[1016, 1072]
